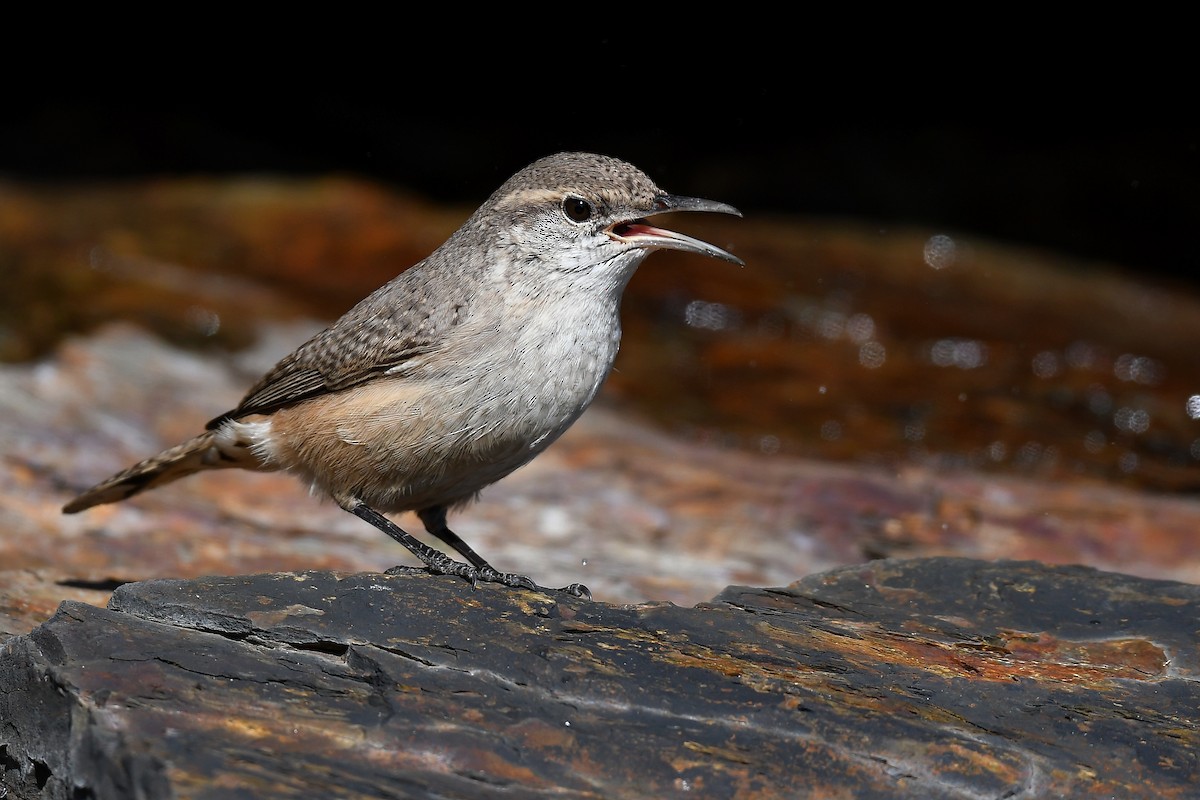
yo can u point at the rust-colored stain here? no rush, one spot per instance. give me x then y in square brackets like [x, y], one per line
[1134, 659]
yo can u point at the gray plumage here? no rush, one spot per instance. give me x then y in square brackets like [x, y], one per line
[459, 370]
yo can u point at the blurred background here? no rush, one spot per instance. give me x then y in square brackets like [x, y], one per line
[1114, 206]
[1116, 189]
[987, 318]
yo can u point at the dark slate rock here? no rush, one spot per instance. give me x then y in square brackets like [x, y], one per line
[932, 678]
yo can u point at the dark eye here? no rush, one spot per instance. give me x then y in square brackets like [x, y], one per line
[577, 209]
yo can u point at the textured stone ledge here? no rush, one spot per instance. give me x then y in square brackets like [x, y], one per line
[929, 678]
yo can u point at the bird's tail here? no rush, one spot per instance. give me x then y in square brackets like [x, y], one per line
[180, 461]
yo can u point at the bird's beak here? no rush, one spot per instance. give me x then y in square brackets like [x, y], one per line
[639, 233]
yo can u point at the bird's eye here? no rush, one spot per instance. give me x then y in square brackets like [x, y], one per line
[577, 209]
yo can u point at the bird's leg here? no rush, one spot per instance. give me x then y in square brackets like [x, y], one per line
[435, 560]
[434, 519]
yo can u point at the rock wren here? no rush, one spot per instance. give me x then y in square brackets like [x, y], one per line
[458, 371]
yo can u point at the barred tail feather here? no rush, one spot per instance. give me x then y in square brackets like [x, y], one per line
[180, 461]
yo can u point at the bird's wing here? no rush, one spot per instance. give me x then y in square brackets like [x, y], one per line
[380, 333]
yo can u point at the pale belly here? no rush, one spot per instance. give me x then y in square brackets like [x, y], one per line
[399, 444]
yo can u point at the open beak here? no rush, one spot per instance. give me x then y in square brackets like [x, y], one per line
[639, 233]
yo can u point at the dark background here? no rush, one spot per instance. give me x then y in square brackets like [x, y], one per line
[1127, 194]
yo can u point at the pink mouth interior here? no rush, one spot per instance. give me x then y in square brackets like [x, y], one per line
[633, 229]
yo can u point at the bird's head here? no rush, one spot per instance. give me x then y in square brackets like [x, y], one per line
[585, 214]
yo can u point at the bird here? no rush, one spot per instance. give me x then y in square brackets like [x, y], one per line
[458, 371]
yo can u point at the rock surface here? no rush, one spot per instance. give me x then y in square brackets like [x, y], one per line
[930, 678]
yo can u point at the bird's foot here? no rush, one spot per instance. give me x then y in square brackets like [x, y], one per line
[439, 563]
[489, 575]
[442, 564]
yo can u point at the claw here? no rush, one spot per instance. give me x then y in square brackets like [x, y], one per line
[578, 590]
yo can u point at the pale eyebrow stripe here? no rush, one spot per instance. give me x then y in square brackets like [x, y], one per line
[530, 197]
